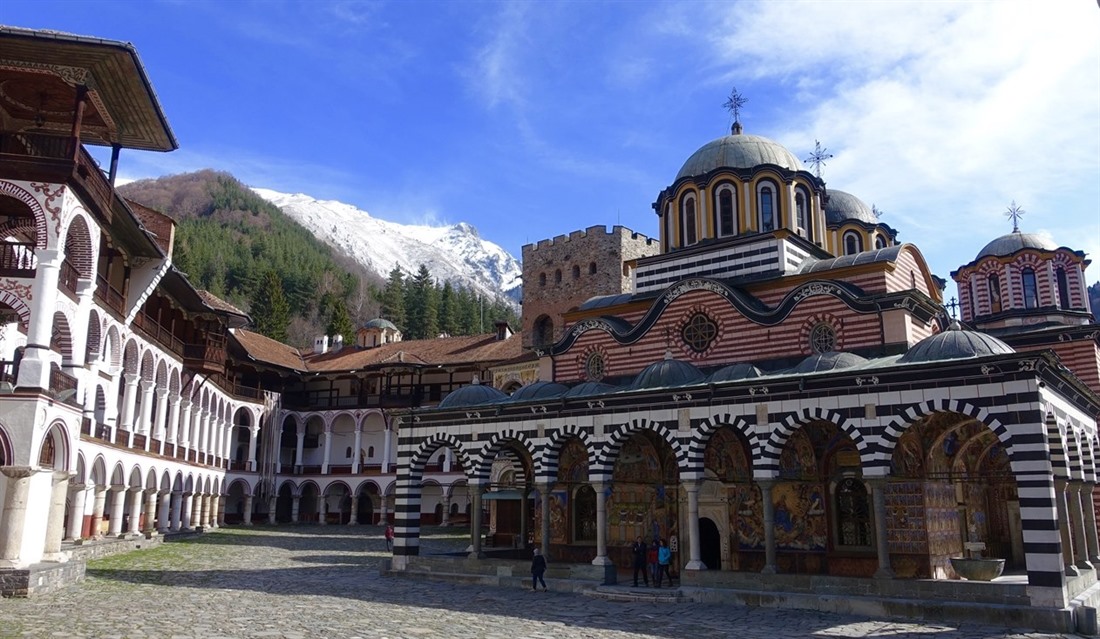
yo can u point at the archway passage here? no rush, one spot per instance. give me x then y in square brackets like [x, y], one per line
[284, 504]
[365, 509]
[644, 496]
[710, 543]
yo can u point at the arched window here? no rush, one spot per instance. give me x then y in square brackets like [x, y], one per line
[370, 452]
[557, 276]
[853, 513]
[576, 272]
[880, 241]
[1031, 290]
[727, 210]
[544, 331]
[591, 268]
[542, 279]
[765, 199]
[804, 224]
[853, 243]
[687, 211]
[1063, 287]
[347, 453]
[48, 452]
[994, 293]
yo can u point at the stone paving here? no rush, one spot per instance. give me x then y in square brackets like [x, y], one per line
[306, 582]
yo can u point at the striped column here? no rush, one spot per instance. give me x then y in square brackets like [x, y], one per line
[1031, 461]
[406, 528]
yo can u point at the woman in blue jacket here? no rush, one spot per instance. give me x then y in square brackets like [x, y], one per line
[664, 558]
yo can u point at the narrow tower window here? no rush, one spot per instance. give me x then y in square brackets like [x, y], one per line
[725, 212]
[690, 236]
[853, 243]
[802, 215]
[767, 208]
[1031, 291]
[1063, 287]
[994, 294]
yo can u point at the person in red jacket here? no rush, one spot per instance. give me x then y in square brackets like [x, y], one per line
[389, 536]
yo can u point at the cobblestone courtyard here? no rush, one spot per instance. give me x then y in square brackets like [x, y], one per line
[306, 582]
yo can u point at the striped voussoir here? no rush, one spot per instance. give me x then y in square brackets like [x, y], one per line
[605, 460]
[502, 444]
[550, 453]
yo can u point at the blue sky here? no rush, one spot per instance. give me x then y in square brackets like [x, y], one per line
[533, 119]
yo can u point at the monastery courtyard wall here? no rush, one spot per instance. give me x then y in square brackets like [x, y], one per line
[309, 581]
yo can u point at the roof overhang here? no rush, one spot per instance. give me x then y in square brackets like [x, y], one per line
[40, 72]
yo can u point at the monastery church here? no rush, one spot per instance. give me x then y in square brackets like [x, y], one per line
[772, 385]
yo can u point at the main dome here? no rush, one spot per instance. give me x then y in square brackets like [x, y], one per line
[738, 151]
[1008, 244]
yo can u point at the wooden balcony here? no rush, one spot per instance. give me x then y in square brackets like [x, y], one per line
[52, 158]
[110, 297]
[67, 278]
[207, 358]
[17, 259]
[7, 372]
[158, 333]
[63, 385]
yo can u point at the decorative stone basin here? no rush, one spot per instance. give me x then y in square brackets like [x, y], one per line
[978, 569]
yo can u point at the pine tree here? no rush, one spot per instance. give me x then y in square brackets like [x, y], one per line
[393, 299]
[448, 310]
[421, 306]
[270, 310]
[339, 320]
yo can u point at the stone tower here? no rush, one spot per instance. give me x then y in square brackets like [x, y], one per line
[560, 274]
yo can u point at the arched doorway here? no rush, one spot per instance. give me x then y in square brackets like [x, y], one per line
[710, 543]
[284, 504]
[365, 509]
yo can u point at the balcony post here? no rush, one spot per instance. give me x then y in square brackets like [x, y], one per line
[78, 119]
[129, 401]
[386, 447]
[298, 449]
[85, 291]
[355, 459]
[145, 425]
[173, 419]
[115, 148]
[328, 445]
[34, 369]
[254, 432]
[183, 440]
[162, 417]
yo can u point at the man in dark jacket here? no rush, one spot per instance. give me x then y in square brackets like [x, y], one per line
[639, 551]
[538, 568]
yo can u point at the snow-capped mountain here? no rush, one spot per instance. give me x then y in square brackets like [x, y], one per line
[452, 253]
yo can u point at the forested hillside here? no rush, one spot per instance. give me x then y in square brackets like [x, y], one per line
[244, 249]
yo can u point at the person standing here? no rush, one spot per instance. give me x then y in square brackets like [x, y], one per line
[651, 557]
[639, 551]
[389, 536]
[664, 558]
[538, 569]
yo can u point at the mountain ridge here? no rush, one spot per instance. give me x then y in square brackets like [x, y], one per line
[454, 253]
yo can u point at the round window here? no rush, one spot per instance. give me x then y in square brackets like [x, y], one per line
[699, 332]
[594, 367]
[823, 338]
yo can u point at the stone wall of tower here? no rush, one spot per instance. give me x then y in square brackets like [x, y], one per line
[560, 274]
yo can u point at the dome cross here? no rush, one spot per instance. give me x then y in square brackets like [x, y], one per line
[818, 157]
[733, 104]
[1014, 213]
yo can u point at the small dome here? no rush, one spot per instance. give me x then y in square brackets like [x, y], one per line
[734, 372]
[667, 373]
[472, 394]
[955, 343]
[738, 151]
[843, 206]
[831, 361]
[538, 390]
[378, 322]
[585, 389]
[1015, 241]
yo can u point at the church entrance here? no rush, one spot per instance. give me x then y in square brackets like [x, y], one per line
[710, 544]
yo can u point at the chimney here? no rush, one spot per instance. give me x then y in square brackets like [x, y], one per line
[337, 343]
[503, 331]
[320, 345]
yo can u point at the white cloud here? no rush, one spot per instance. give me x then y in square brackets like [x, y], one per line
[939, 113]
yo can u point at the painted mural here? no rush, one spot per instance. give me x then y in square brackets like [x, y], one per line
[726, 458]
[643, 497]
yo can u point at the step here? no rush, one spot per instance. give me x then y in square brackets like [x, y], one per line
[640, 594]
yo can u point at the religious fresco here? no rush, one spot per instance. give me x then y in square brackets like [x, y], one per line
[573, 463]
[908, 458]
[797, 460]
[726, 457]
[559, 522]
[643, 493]
[800, 516]
[746, 514]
